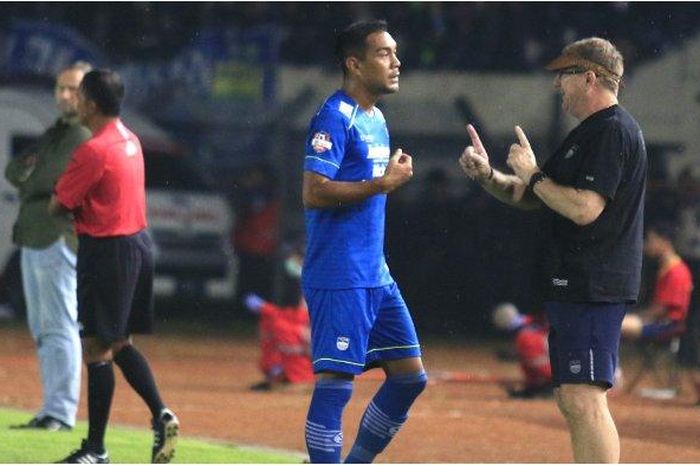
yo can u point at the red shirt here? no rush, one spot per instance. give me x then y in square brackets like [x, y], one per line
[258, 232]
[285, 339]
[270, 357]
[533, 353]
[673, 288]
[104, 184]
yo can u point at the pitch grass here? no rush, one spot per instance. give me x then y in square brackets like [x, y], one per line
[124, 445]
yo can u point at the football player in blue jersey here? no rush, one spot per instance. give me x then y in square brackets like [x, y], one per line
[358, 318]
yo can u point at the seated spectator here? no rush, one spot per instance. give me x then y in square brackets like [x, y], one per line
[285, 333]
[689, 248]
[532, 350]
[664, 318]
[689, 351]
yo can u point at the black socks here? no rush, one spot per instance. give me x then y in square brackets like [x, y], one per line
[100, 393]
[138, 374]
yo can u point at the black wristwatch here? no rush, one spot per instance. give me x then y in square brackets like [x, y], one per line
[535, 178]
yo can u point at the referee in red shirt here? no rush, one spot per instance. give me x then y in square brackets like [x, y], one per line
[103, 186]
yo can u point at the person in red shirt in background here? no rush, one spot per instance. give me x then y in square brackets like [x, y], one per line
[255, 239]
[665, 317]
[285, 332]
[532, 349]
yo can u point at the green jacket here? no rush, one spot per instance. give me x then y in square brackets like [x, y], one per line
[35, 228]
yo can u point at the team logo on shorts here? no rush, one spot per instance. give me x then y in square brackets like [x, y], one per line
[575, 366]
[572, 151]
[338, 438]
[321, 141]
[342, 343]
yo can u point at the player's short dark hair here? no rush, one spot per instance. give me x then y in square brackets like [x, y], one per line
[83, 66]
[664, 229]
[352, 41]
[105, 88]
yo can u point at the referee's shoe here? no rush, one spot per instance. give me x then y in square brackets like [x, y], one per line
[86, 454]
[165, 431]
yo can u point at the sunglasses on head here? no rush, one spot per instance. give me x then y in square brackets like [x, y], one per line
[572, 70]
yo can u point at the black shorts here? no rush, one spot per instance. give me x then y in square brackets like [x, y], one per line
[115, 286]
[689, 351]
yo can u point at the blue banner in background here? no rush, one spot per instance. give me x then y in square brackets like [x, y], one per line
[43, 49]
[219, 65]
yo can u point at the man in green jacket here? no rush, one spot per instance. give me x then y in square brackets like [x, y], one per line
[48, 258]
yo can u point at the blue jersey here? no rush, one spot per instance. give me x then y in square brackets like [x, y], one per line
[345, 245]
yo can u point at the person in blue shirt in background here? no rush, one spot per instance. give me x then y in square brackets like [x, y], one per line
[359, 319]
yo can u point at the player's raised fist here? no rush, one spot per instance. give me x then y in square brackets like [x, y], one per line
[399, 170]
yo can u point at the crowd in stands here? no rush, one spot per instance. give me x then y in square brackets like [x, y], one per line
[513, 36]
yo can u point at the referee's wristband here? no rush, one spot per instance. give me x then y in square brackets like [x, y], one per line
[536, 178]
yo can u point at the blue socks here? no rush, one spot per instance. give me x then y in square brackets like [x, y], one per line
[324, 433]
[383, 418]
[385, 414]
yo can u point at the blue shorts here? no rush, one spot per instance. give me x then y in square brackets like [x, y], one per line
[353, 330]
[584, 341]
[662, 332]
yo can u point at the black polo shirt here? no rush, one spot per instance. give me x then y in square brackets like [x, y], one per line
[600, 262]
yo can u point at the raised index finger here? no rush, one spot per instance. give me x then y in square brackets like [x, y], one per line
[476, 141]
[522, 137]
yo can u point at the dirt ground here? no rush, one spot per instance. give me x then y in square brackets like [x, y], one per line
[205, 379]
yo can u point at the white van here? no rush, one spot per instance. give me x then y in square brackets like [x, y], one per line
[189, 222]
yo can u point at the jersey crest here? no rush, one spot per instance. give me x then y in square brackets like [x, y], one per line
[321, 142]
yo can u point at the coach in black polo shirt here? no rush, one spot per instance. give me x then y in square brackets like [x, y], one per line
[592, 188]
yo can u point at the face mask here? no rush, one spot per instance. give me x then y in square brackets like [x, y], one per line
[293, 267]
